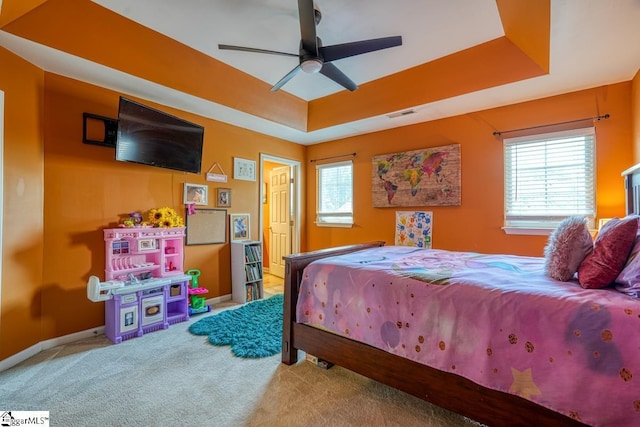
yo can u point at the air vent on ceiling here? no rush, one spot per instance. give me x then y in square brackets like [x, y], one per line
[401, 113]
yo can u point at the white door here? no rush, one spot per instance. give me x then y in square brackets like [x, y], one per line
[280, 219]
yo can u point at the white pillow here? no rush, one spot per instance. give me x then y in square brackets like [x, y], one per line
[568, 245]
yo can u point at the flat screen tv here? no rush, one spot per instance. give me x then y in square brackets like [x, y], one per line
[151, 137]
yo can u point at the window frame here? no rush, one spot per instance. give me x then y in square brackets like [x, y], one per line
[542, 223]
[323, 218]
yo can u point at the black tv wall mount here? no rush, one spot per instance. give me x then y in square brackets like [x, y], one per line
[92, 124]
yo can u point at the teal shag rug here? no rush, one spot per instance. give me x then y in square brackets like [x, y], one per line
[253, 330]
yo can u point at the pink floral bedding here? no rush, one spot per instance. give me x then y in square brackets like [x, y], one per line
[494, 319]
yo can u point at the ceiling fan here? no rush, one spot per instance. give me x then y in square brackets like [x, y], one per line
[315, 58]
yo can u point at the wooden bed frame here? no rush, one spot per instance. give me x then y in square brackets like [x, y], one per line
[444, 389]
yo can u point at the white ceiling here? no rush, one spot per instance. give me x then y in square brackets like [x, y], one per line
[593, 42]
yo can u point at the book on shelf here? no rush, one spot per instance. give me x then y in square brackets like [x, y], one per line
[254, 272]
[252, 253]
[252, 292]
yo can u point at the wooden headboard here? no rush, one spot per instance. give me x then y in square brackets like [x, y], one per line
[632, 189]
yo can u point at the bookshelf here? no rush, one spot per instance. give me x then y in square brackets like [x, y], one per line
[246, 271]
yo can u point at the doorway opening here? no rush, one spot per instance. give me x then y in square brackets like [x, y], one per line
[280, 213]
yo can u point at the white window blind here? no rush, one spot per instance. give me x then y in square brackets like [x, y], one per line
[335, 194]
[549, 177]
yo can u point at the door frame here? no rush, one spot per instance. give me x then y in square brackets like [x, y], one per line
[1, 189]
[295, 204]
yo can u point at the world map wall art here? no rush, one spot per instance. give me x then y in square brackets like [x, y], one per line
[427, 177]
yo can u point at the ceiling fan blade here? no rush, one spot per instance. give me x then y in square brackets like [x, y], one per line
[307, 17]
[345, 50]
[251, 49]
[286, 78]
[338, 76]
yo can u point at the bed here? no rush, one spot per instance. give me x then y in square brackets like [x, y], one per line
[547, 363]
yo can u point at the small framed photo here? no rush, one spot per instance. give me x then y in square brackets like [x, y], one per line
[196, 194]
[244, 169]
[240, 227]
[147, 244]
[224, 198]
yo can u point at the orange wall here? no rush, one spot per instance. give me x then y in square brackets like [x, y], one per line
[22, 227]
[635, 111]
[60, 193]
[87, 190]
[476, 224]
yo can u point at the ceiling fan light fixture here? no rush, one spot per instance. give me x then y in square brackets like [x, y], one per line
[311, 66]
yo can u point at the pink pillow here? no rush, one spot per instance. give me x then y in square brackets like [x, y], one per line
[568, 245]
[610, 252]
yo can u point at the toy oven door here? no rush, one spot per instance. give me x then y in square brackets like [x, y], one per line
[152, 310]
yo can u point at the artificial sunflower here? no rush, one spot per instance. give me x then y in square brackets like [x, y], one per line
[165, 217]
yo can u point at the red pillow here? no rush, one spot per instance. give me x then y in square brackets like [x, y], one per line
[610, 251]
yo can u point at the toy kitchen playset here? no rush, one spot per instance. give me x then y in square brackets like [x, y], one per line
[145, 289]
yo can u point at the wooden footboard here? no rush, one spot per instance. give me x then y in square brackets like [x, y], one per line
[294, 267]
[447, 390]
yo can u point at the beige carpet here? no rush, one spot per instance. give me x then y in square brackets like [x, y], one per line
[171, 377]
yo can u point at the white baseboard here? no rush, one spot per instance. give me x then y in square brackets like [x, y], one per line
[12, 361]
[218, 300]
[46, 345]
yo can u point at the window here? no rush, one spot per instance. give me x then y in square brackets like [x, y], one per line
[548, 178]
[335, 194]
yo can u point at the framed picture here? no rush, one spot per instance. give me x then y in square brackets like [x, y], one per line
[196, 194]
[224, 198]
[147, 244]
[414, 228]
[240, 227]
[244, 169]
